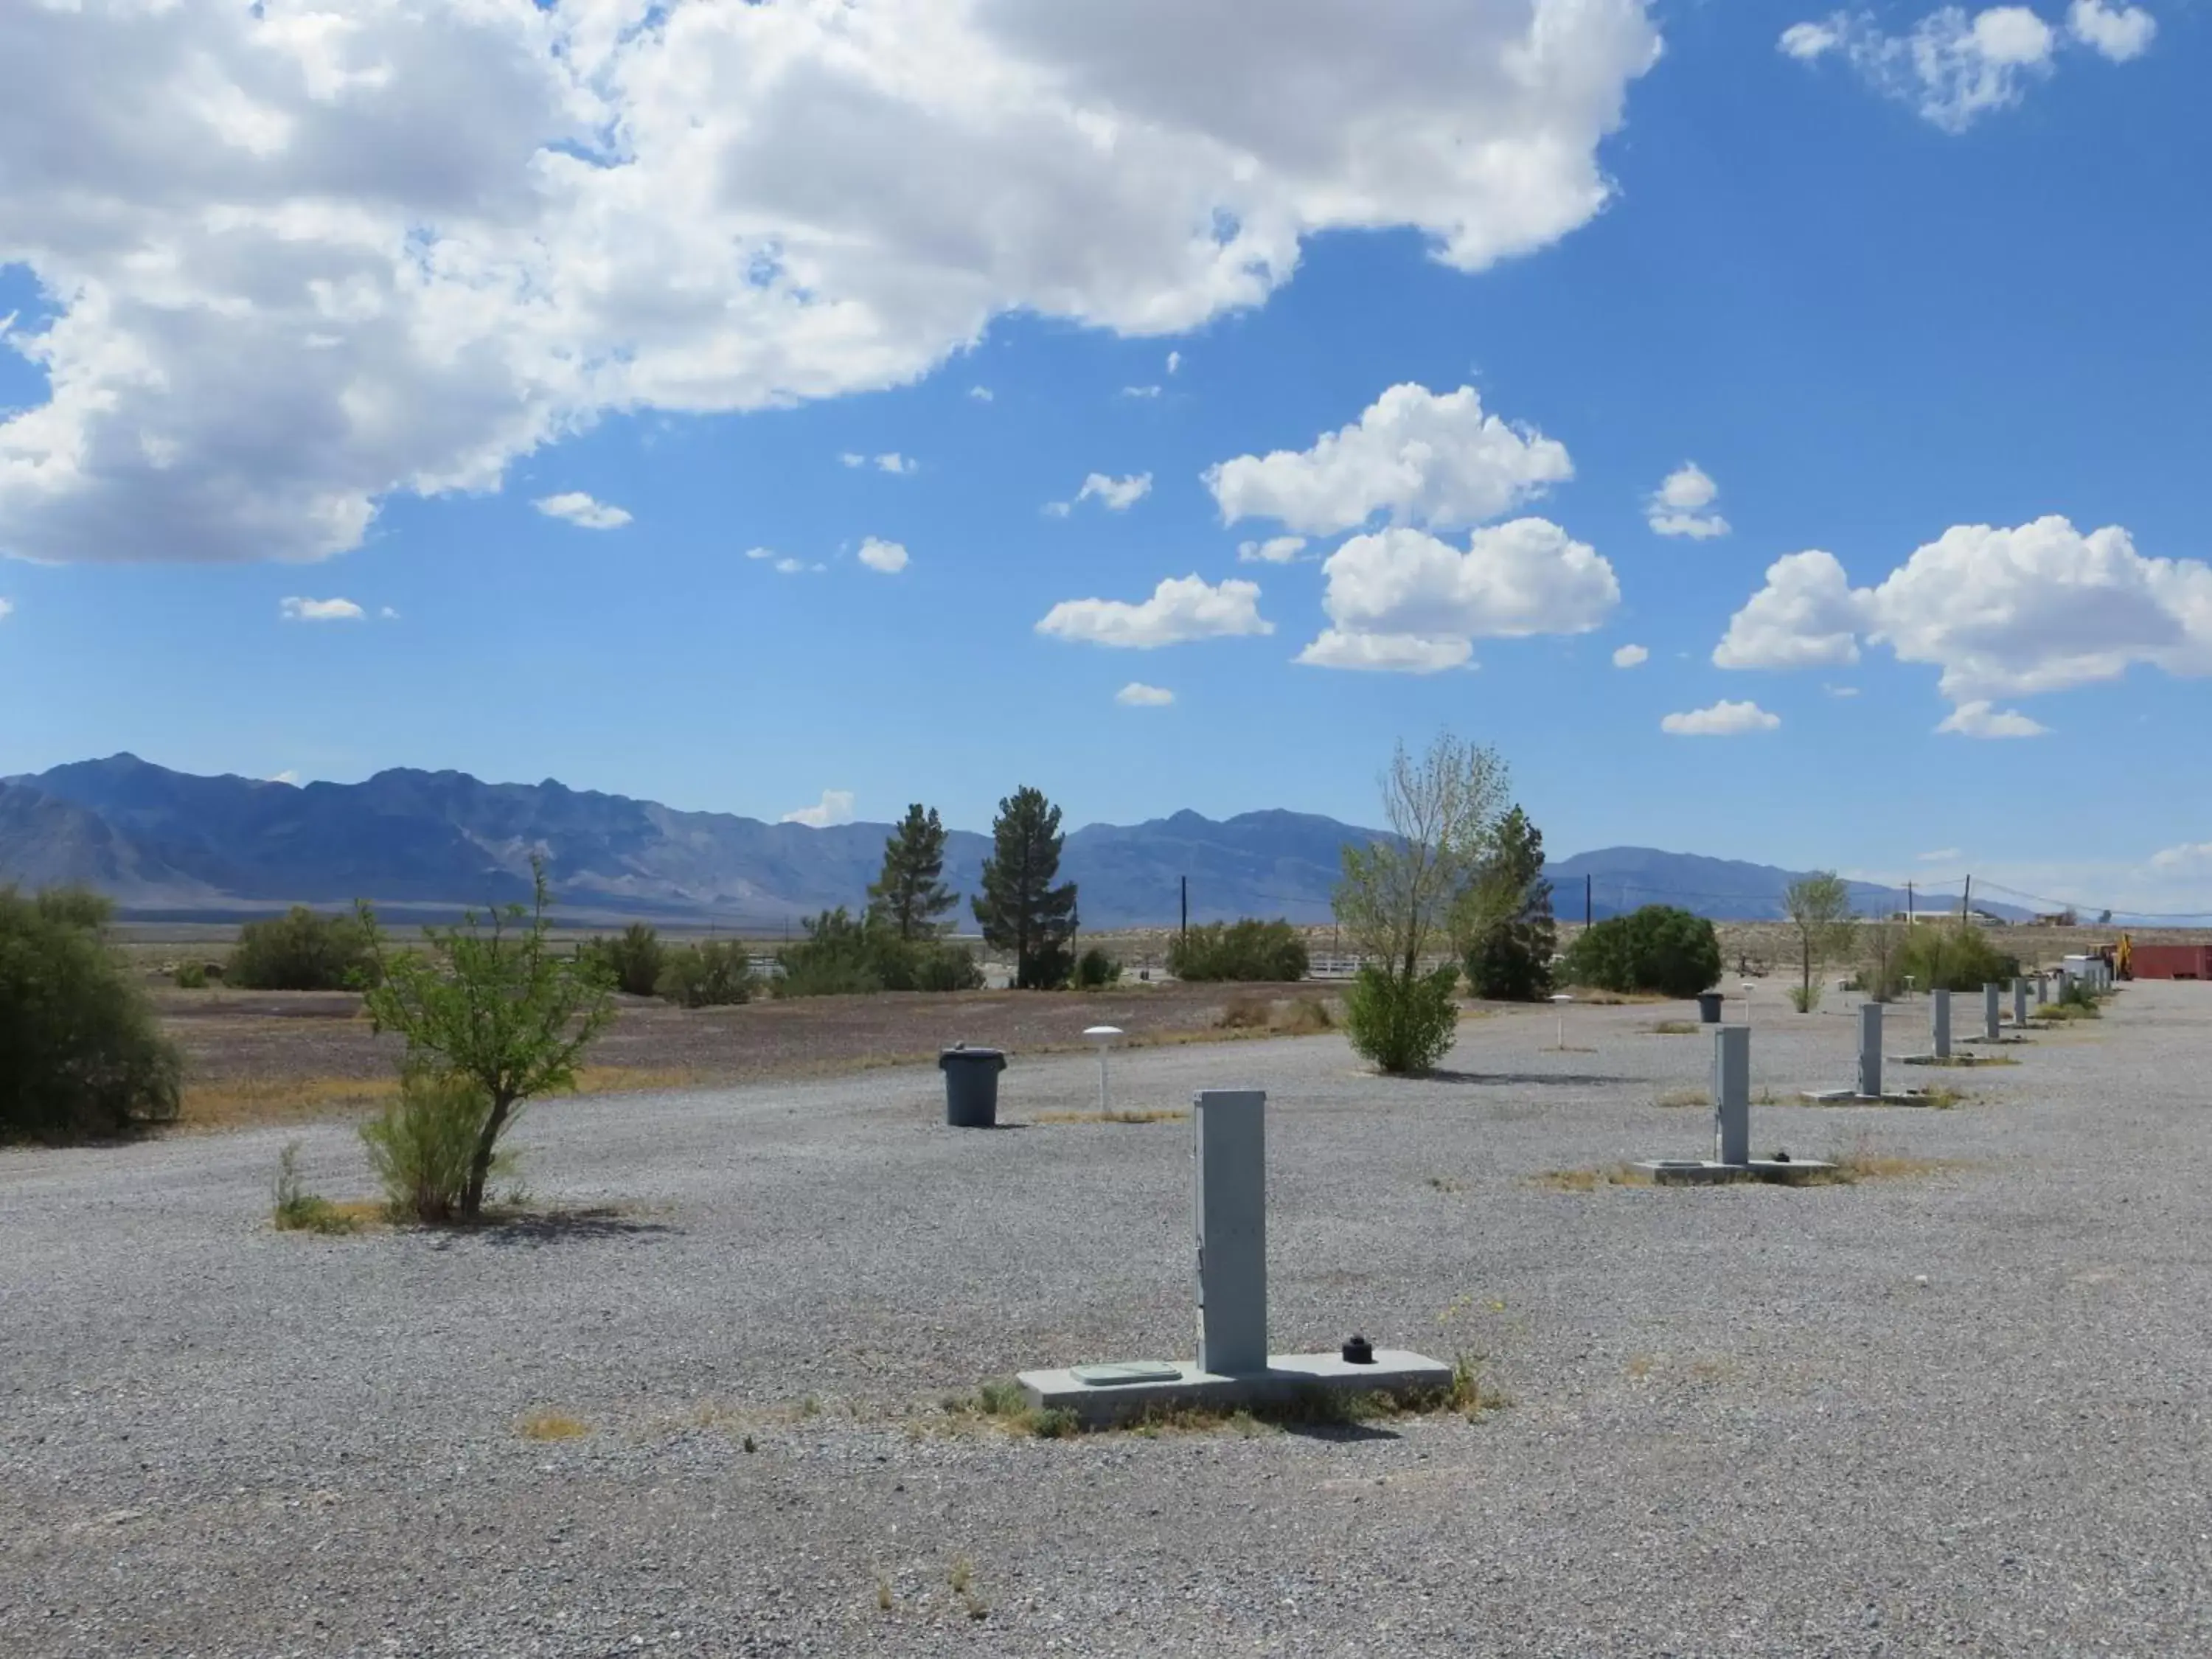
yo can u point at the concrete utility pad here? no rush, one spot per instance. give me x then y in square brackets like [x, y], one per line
[1709, 1172]
[1288, 1377]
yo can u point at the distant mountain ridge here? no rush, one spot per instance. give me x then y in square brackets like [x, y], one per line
[161, 841]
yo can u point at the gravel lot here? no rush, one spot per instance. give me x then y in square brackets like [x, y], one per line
[1958, 1412]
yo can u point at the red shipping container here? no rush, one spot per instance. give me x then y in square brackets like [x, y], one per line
[2172, 961]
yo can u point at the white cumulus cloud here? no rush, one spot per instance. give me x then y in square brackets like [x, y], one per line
[2119, 32]
[1276, 549]
[2037, 608]
[1681, 505]
[1141, 391]
[1440, 461]
[288, 777]
[889, 557]
[1175, 362]
[981, 394]
[895, 462]
[760, 553]
[836, 806]
[298, 610]
[302, 260]
[1805, 617]
[1524, 577]
[1116, 495]
[1954, 66]
[1982, 719]
[1137, 695]
[1386, 654]
[7, 609]
[1631, 656]
[1182, 608]
[575, 506]
[1721, 720]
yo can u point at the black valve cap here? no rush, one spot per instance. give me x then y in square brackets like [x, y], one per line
[1359, 1351]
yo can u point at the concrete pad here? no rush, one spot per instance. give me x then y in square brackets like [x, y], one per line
[1287, 1378]
[1705, 1172]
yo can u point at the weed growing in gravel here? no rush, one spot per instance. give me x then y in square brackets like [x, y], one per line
[1589, 1180]
[1683, 1097]
[546, 1423]
[1674, 1028]
[882, 1594]
[1292, 1016]
[1447, 1184]
[298, 1210]
[1867, 1159]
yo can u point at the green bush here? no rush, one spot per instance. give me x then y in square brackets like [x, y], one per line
[1948, 956]
[301, 950]
[81, 1056]
[716, 974]
[297, 1210]
[1658, 948]
[422, 1146]
[1095, 970]
[846, 955]
[191, 976]
[1403, 1023]
[1270, 951]
[629, 961]
[943, 967]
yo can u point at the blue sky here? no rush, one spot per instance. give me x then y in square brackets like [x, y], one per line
[1908, 288]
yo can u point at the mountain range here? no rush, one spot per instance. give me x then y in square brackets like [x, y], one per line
[165, 844]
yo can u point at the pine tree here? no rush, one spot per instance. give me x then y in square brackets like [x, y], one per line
[909, 898]
[1511, 959]
[1019, 908]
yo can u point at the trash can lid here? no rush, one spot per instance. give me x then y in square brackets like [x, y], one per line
[961, 1051]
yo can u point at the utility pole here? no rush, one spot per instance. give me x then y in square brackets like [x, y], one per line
[1586, 898]
[1186, 909]
[1965, 899]
[1908, 905]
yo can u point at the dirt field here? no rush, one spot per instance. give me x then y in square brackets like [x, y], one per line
[274, 1056]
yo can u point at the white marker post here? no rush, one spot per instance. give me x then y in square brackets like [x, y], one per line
[1104, 1035]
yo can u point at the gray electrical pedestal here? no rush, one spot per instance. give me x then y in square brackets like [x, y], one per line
[1229, 1197]
[1229, 1204]
[2020, 1004]
[1939, 1017]
[1870, 1090]
[1732, 1159]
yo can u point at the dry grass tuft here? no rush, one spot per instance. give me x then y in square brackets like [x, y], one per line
[1683, 1097]
[249, 1102]
[1277, 1016]
[546, 1423]
[1448, 1183]
[1674, 1028]
[1589, 1180]
[1867, 1159]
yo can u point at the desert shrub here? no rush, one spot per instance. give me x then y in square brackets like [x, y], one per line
[422, 1144]
[630, 961]
[716, 974]
[1948, 956]
[847, 955]
[492, 1018]
[1095, 970]
[81, 1056]
[301, 950]
[944, 967]
[1805, 998]
[1403, 1023]
[838, 957]
[1246, 950]
[191, 976]
[1658, 948]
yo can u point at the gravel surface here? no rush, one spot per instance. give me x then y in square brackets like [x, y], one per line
[1959, 1412]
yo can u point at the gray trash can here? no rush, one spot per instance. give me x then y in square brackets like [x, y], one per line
[1708, 1007]
[971, 1085]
